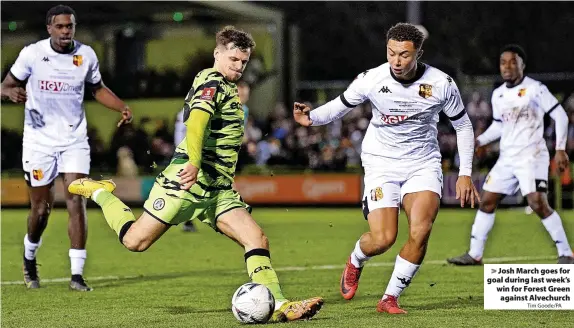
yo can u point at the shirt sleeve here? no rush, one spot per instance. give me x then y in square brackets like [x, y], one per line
[203, 97]
[453, 106]
[546, 100]
[496, 117]
[22, 68]
[93, 75]
[357, 92]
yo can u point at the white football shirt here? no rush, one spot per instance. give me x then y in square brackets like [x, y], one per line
[55, 116]
[405, 113]
[521, 110]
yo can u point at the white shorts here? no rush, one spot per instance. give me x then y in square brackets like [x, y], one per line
[387, 182]
[507, 176]
[42, 167]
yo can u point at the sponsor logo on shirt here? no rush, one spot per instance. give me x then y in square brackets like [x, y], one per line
[392, 119]
[58, 86]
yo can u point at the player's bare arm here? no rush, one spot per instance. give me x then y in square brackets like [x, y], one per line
[12, 89]
[106, 97]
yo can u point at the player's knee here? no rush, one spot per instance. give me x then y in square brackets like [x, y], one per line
[487, 206]
[257, 239]
[135, 244]
[41, 210]
[541, 209]
[383, 241]
[420, 234]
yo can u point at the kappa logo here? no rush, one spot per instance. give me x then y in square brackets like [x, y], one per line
[158, 204]
[45, 59]
[385, 89]
[405, 281]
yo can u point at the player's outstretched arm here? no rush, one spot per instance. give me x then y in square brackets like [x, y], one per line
[329, 112]
[493, 133]
[106, 97]
[12, 89]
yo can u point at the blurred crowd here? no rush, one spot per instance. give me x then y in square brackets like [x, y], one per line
[276, 141]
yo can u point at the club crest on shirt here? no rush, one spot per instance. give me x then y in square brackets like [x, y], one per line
[376, 194]
[521, 92]
[78, 60]
[425, 90]
[158, 204]
[38, 174]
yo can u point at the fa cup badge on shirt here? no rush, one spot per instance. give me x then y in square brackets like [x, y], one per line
[77, 60]
[425, 90]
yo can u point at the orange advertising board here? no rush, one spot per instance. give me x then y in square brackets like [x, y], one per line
[14, 192]
[300, 189]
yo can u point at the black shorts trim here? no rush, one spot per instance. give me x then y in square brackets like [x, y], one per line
[365, 208]
[160, 220]
[541, 185]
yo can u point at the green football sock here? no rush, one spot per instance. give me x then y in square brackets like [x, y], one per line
[117, 214]
[260, 271]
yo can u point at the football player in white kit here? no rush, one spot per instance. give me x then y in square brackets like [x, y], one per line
[400, 155]
[56, 71]
[518, 108]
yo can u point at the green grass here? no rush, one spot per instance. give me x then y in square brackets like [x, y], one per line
[186, 280]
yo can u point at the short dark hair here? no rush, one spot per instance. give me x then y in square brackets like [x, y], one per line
[241, 39]
[515, 49]
[59, 10]
[406, 32]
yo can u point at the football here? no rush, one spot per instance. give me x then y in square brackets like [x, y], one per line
[252, 303]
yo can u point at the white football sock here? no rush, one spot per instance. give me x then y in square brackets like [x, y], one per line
[358, 258]
[483, 223]
[30, 248]
[77, 260]
[402, 274]
[553, 225]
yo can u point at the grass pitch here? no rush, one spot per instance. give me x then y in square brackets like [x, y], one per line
[187, 279]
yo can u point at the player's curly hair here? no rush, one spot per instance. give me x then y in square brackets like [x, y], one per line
[59, 10]
[241, 39]
[515, 49]
[406, 32]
